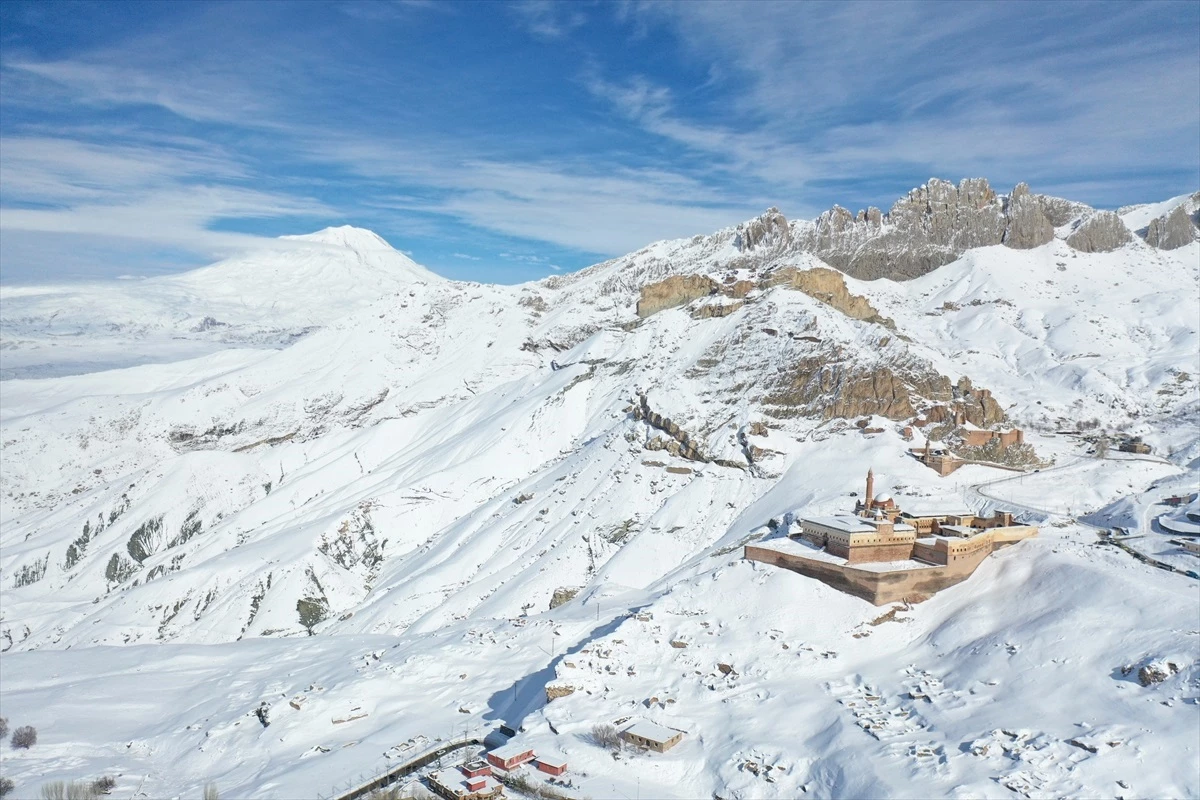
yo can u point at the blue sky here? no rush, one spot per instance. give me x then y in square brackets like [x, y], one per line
[504, 141]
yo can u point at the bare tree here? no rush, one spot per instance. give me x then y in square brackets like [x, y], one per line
[210, 792]
[3, 727]
[24, 737]
[6, 786]
[606, 736]
[1102, 447]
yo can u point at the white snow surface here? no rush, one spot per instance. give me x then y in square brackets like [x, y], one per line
[266, 298]
[413, 473]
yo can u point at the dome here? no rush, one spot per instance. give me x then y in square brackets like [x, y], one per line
[883, 498]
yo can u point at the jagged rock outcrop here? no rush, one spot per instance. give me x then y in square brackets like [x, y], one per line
[1101, 232]
[927, 228]
[968, 404]
[682, 446]
[674, 291]
[713, 310]
[1028, 226]
[828, 286]
[771, 230]
[1060, 211]
[1172, 231]
[930, 226]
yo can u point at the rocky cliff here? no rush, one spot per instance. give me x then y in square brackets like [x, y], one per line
[936, 223]
[1100, 232]
[1175, 229]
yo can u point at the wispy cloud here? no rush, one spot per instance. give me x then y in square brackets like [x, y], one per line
[549, 19]
[823, 90]
[553, 128]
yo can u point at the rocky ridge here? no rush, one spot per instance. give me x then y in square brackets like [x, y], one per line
[937, 222]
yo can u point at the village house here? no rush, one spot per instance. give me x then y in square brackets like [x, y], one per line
[651, 736]
[551, 764]
[455, 784]
[1134, 447]
[510, 756]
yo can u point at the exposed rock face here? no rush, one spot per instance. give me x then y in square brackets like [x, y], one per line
[829, 385]
[829, 287]
[931, 226]
[1101, 232]
[969, 404]
[711, 310]
[771, 230]
[1059, 211]
[1027, 224]
[674, 291]
[681, 446]
[555, 691]
[1172, 231]
[563, 594]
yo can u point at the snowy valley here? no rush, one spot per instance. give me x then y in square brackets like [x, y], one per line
[427, 507]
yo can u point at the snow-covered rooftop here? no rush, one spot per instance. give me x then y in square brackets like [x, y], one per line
[456, 782]
[841, 522]
[510, 750]
[652, 731]
[555, 760]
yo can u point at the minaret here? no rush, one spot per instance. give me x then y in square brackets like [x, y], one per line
[870, 498]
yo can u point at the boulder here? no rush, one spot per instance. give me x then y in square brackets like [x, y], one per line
[1156, 672]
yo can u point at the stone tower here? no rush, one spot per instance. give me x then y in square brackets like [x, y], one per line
[870, 490]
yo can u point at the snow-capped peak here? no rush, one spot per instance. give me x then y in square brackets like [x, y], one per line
[347, 236]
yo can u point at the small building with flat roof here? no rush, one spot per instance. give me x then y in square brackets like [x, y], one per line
[510, 756]
[452, 784]
[551, 764]
[652, 735]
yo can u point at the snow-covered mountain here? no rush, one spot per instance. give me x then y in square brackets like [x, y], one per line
[457, 523]
[265, 298]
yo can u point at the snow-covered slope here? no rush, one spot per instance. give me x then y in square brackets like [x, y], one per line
[265, 298]
[414, 484]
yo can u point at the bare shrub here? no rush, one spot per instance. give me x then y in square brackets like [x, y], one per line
[523, 786]
[75, 790]
[104, 785]
[82, 790]
[6, 786]
[606, 736]
[210, 792]
[3, 727]
[24, 737]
